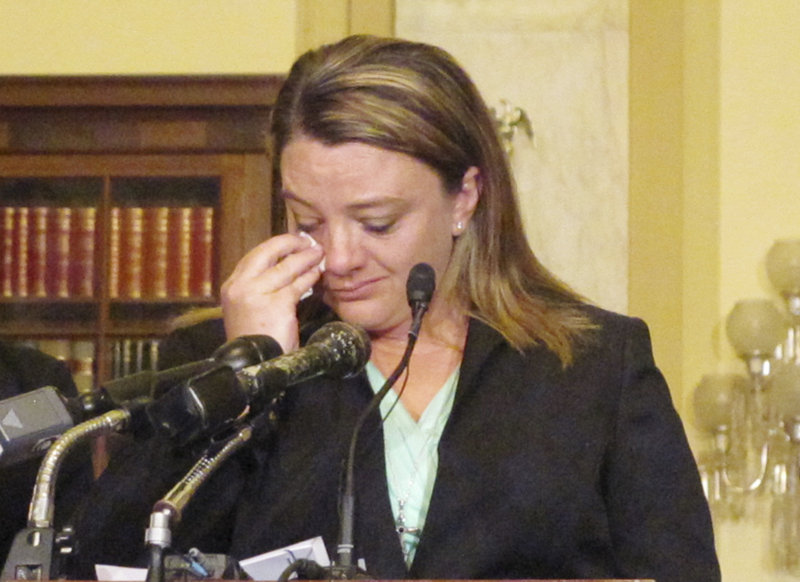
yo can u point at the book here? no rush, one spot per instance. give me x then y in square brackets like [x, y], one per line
[83, 246]
[181, 227]
[82, 364]
[21, 235]
[131, 355]
[38, 251]
[7, 251]
[127, 357]
[59, 252]
[114, 234]
[202, 252]
[132, 249]
[157, 251]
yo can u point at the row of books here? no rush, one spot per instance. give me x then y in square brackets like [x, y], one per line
[161, 252]
[47, 251]
[153, 253]
[128, 356]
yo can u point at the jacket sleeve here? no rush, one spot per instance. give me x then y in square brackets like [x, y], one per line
[659, 518]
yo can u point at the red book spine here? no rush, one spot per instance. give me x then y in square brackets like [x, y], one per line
[60, 257]
[181, 229]
[157, 251]
[22, 236]
[114, 249]
[132, 251]
[202, 261]
[83, 244]
[7, 252]
[38, 252]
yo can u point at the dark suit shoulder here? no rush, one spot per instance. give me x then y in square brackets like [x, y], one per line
[191, 343]
[23, 369]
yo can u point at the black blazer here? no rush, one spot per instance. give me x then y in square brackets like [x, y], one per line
[544, 472]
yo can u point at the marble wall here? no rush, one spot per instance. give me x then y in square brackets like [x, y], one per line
[566, 64]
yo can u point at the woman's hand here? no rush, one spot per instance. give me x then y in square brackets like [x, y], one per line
[262, 293]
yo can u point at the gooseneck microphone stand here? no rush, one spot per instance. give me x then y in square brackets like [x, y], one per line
[35, 548]
[167, 511]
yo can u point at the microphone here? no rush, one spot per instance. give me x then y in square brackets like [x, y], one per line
[420, 286]
[31, 422]
[238, 353]
[37, 550]
[210, 402]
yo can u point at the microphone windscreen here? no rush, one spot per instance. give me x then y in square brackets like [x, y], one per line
[347, 347]
[420, 284]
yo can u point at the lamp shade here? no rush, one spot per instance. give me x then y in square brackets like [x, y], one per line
[784, 389]
[783, 266]
[755, 327]
[713, 400]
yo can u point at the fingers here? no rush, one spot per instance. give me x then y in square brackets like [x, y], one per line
[261, 295]
[281, 259]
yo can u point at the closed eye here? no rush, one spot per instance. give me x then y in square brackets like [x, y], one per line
[308, 227]
[379, 227]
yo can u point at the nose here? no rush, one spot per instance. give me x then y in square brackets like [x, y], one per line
[343, 252]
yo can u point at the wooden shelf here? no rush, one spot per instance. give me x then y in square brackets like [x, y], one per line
[116, 142]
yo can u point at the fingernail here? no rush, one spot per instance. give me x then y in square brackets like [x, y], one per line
[304, 234]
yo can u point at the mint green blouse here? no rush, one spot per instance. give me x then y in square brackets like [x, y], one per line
[411, 456]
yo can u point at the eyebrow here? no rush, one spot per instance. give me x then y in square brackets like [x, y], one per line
[380, 201]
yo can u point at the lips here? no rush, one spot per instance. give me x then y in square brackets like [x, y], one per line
[353, 292]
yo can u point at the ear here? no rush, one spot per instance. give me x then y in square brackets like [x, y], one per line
[466, 200]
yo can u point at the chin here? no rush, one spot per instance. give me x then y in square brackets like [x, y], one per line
[367, 316]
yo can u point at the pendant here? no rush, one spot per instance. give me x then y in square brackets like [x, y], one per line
[402, 529]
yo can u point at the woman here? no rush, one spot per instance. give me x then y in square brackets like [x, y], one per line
[534, 437]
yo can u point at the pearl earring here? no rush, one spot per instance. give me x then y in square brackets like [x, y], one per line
[459, 226]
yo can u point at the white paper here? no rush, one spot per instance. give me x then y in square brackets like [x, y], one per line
[112, 573]
[268, 566]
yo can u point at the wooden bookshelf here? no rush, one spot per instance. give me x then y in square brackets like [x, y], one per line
[124, 202]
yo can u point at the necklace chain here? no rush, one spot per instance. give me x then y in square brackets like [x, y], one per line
[408, 535]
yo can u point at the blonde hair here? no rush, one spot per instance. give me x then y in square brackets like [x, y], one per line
[415, 99]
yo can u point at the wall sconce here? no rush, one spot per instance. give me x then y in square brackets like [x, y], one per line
[753, 465]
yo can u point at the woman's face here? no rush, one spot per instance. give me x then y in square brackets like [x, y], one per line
[376, 213]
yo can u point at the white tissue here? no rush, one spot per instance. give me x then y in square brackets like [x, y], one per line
[314, 243]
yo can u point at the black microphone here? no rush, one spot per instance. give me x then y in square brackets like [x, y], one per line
[31, 422]
[210, 403]
[420, 286]
[238, 353]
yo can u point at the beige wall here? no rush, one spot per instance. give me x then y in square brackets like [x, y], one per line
[87, 37]
[656, 207]
[715, 145]
[91, 37]
[321, 21]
